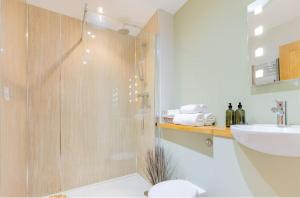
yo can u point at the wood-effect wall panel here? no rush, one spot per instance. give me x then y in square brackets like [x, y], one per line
[80, 118]
[290, 61]
[44, 101]
[79, 133]
[13, 133]
[98, 136]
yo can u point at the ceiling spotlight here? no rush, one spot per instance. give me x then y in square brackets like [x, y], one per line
[93, 36]
[100, 10]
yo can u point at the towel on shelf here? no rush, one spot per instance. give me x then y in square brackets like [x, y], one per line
[172, 113]
[209, 123]
[209, 119]
[167, 116]
[209, 116]
[193, 109]
[196, 119]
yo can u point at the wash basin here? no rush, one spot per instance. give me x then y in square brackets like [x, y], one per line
[270, 139]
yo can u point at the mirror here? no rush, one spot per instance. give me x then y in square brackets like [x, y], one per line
[274, 40]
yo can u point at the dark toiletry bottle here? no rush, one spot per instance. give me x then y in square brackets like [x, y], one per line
[240, 115]
[229, 116]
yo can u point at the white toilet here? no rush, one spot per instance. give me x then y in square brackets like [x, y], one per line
[175, 188]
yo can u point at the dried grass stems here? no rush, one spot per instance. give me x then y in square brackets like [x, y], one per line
[157, 165]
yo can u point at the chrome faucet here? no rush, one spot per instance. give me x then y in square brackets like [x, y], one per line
[281, 112]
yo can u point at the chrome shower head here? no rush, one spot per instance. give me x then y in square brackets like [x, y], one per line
[125, 30]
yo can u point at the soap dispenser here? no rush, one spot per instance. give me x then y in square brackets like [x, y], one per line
[229, 116]
[240, 115]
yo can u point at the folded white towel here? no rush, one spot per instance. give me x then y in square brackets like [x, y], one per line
[208, 116]
[209, 123]
[209, 119]
[189, 119]
[193, 108]
[172, 113]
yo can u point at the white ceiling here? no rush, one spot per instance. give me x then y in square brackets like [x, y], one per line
[136, 12]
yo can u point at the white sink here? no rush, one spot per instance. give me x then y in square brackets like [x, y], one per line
[270, 139]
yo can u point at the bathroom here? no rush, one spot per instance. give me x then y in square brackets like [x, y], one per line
[86, 87]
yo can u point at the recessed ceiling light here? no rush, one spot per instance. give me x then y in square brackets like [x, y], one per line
[259, 30]
[258, 10]
[100, 10]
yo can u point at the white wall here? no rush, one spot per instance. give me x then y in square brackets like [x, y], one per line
[219, 174]
[211, 67]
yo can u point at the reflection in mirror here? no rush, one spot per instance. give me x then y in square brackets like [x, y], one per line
[274, 40]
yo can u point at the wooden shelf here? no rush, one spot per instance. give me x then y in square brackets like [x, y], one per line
[222, 132]
[208, 130]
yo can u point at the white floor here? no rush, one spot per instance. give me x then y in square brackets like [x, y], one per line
[127, 186]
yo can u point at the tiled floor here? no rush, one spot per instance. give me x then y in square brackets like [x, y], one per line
[128, 186]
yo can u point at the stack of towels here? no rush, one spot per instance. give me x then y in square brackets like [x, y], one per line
[193, 115]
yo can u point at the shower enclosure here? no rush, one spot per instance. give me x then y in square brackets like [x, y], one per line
[77, 99]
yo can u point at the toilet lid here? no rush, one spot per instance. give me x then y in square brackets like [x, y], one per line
[175, 188]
